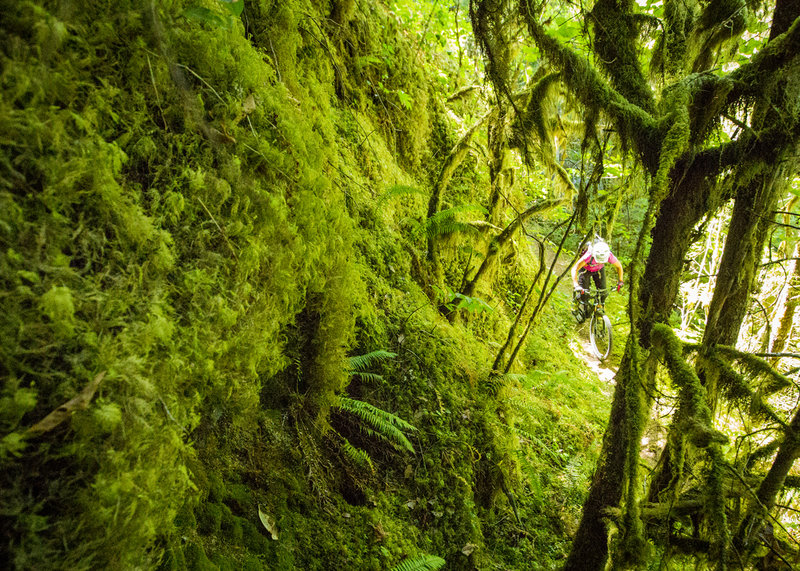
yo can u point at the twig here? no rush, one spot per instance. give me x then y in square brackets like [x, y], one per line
[169, 414]
[275, 58]
[221, 231]
[155, 88]
[207, 84]
[62, 413]
[792, 355]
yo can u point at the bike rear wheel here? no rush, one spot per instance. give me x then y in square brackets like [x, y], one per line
[600, 336]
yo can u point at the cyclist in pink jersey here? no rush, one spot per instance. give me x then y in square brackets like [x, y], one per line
[591, 267]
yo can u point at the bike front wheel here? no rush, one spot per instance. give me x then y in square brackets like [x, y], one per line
[600, 336]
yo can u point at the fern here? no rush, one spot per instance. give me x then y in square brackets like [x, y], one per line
[497, 382]
[360, 363]
[422, 563]
[381, 424]
[358, 456]
[444, 222]
[537, 441]
[398, 190]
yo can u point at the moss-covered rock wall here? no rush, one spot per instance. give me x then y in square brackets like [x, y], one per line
[190, 249]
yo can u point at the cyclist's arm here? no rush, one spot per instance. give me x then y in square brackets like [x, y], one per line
[616, 263]
[575, 269]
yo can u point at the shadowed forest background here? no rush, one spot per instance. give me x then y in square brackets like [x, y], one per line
[285, 284]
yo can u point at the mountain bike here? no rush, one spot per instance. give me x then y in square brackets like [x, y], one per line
[601, 336]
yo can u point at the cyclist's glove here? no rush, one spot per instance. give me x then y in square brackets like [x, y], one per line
[619, 286]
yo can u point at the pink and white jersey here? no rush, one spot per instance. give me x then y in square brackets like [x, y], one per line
[593, 265]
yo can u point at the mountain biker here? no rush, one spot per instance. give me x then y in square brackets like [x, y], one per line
[591, 267]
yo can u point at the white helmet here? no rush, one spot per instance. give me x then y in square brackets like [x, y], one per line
[600, 252]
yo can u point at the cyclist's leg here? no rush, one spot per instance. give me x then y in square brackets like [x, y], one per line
[585, 281]
[600, 284]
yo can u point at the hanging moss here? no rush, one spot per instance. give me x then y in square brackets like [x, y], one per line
[692, 392]
[721, 22]
[669, 54]
[757, 368]
[735, 388]
[615, 32]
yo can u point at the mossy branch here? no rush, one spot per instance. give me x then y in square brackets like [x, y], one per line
[751, 79]
[692, 393]
[593, 91]
[735, 388]
[756, 367]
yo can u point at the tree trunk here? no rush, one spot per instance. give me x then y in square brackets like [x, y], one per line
[691, 198]
[500, 175]
[771, 485]
[786, 318]
[741, 258]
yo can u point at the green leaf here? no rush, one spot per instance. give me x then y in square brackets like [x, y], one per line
[404, 98]
[268, 522]
[422, 563]
[235, 7]
[206, 16]
[379, 423]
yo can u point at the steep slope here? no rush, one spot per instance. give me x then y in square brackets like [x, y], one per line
[194, 240]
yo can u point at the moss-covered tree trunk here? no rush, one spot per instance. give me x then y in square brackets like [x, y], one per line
[772, 484]
[500, 174]
[499, 242]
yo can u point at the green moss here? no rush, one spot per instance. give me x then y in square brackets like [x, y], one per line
[253, 563]
[185, 519]
[224, 563]
[231, 526]
[173, 560]
[254, 540]
[209, 518]
[196, 559]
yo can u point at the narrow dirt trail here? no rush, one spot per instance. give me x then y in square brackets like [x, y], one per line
[583, 350]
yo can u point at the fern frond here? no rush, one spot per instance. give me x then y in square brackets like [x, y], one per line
[381, 424]
[538, 442]
[422, 563]
[375, 377]
[360, 363]
[399, 190]
[358, 456]
[444, 222]
[497, 382]
[447, 226]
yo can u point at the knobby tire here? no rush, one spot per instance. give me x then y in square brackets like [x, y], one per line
[600, 336]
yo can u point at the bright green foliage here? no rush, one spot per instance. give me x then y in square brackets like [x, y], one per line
[188, 205]
[423, 563]
[379, 423]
